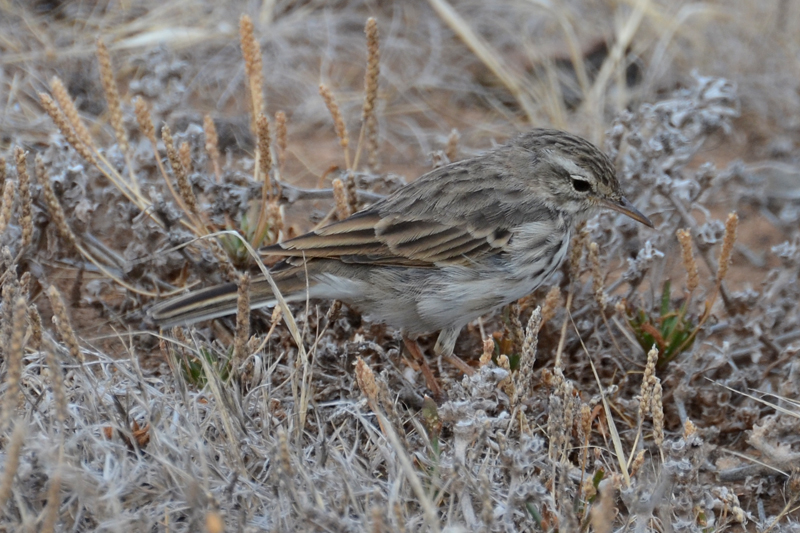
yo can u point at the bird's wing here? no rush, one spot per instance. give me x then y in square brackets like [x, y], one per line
[457, 214]
[394, 239]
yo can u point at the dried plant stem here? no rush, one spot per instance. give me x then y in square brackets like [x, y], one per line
[63, 325]
[57, 376]
[262, 174]
[111, 93]
[524, 381]
[187, 199]
[251, 51]
[551, 302]
[281, 138]
[352, 191]
[657, 410]
[66, 129]
[338, 122]
[56, 211]
[689, 220]
[13, 451]
[369, 123]
[70, 111]
[94, 157]
[53, 496]
[212, 146]
[264, 159]
[366, 382]
[340, 199]
[563, 338]
[144, 120]
[185, 156]
[36, 327]
[731, 225]
[728, 241]
[25, 208]
[646, 391]
[14, 355]
[451, 151]
[2, 172]
[275, 220]
[584, 435]
[7, 209]
[597, 276]
[148, 130]
[619, 451]
[685, 240]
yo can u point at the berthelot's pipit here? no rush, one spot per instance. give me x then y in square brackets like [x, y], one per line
[451, 246]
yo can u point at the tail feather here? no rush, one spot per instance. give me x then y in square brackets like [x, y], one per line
[221, 300]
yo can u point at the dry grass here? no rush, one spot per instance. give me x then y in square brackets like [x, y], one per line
[314, 419]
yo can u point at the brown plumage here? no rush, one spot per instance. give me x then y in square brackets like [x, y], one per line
[445, 249]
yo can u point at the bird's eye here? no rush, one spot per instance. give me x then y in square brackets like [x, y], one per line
[580, 184]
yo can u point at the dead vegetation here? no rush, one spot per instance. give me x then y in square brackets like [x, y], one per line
[652, 387]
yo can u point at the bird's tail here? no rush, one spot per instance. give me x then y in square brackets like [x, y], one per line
[221, 300]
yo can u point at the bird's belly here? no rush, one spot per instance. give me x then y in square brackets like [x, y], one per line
[426, 300]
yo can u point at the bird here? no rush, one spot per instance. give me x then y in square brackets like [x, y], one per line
[453, 245]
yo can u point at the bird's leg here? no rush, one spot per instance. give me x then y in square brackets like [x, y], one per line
[415, 351]
[444, 347]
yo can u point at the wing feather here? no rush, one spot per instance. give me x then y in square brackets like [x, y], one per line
[445, 217]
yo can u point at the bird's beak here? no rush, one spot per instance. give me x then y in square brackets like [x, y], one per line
[624, 206]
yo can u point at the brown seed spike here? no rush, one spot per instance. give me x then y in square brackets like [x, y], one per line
[63, 325]
[63, 125]
[452, 145]
[212, 145]
[56, 211]
[264, 154]
[368, 118]
[144, 120]
[253, 67]
[112, 95]
[7, 208]
[340, 198]
[727, 246]
[25, 207]
[338, 121]
[14, 354]
[281, 136]
[685, 240]
[68, 106]
[185, 155]
[184, 187]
